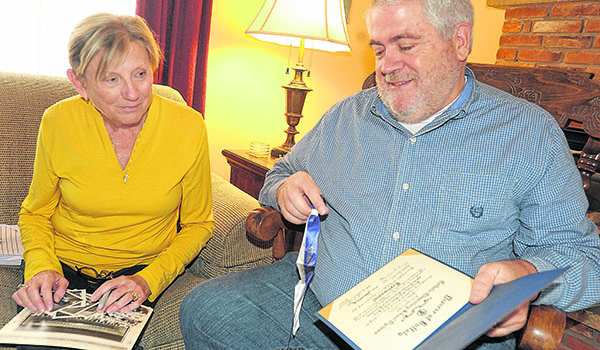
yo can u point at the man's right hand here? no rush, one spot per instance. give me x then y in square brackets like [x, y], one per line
[40, 292]
[295, 195]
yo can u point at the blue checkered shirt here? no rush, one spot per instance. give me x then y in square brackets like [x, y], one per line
[490, 179]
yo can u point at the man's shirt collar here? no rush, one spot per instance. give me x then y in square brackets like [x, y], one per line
[456, 110]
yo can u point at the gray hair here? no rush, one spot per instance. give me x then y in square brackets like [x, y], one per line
[444, 15]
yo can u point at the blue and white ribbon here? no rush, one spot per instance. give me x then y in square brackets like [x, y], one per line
[307, 257]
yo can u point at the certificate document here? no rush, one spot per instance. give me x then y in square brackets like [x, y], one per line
[406, 300]
[410, 301]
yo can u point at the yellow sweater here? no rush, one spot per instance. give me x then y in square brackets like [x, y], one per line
[80, 211]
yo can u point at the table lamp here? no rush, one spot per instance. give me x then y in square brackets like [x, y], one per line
[318, 24]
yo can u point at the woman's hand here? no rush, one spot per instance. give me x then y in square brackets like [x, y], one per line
[126, 293]
[41, 291]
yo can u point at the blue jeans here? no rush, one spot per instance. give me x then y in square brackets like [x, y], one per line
[253, 309]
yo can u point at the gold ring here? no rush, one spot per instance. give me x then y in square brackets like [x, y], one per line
[22, 285]
[133, 295]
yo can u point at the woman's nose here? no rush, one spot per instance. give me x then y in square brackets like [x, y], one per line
[130, 91]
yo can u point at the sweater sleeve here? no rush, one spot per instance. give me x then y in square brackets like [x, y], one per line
[197, 223]
[37, 232]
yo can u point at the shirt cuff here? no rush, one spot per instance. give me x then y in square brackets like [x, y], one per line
[552, 293]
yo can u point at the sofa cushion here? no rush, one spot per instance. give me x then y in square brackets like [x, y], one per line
[229, 250]
[162, 331]
[23, 99]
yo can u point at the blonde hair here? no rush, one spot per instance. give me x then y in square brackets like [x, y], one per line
[109, 35]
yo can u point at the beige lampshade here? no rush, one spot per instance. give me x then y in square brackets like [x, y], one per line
[321, 23]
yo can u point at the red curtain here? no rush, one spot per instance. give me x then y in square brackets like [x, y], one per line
[182, 28]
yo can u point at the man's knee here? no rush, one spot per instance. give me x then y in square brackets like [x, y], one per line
[198, 302]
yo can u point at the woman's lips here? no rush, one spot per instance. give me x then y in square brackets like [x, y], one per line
[129, 108]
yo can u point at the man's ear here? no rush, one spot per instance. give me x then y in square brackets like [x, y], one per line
[77, 84]
[462, 41]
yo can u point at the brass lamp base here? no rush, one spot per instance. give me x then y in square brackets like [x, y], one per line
[295, 95]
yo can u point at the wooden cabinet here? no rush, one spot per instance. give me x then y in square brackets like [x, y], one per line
[248, 172]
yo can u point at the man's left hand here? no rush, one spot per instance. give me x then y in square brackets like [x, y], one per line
[497, 273]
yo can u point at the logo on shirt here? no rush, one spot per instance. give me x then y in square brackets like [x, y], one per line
[476, 211]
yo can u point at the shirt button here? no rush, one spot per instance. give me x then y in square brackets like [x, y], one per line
[413, 139]
[396, 235]
[405, 186]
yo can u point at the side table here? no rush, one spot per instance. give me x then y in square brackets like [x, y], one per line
[248, 172]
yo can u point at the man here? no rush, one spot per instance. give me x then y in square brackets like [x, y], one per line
[431, 160]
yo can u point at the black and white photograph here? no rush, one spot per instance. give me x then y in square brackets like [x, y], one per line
[73, 321]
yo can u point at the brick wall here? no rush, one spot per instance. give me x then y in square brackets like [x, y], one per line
[580, 337]
[563, 34]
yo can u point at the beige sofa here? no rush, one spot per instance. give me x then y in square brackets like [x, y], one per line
[23, 98]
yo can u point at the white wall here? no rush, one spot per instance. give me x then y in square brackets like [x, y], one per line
[35, 32]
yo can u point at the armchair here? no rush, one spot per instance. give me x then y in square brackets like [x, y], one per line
[573, 99]
[23, 98]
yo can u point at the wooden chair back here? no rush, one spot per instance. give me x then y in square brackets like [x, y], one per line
[572, 97]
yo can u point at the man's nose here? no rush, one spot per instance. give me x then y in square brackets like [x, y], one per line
[391, 62]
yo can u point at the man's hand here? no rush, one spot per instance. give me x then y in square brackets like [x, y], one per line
[40, 292]
[293, 197]
[497, 273]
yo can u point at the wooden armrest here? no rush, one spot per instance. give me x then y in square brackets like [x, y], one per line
[544, 329]
[266, 224]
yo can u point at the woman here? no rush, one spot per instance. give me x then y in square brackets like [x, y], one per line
[115, 168]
